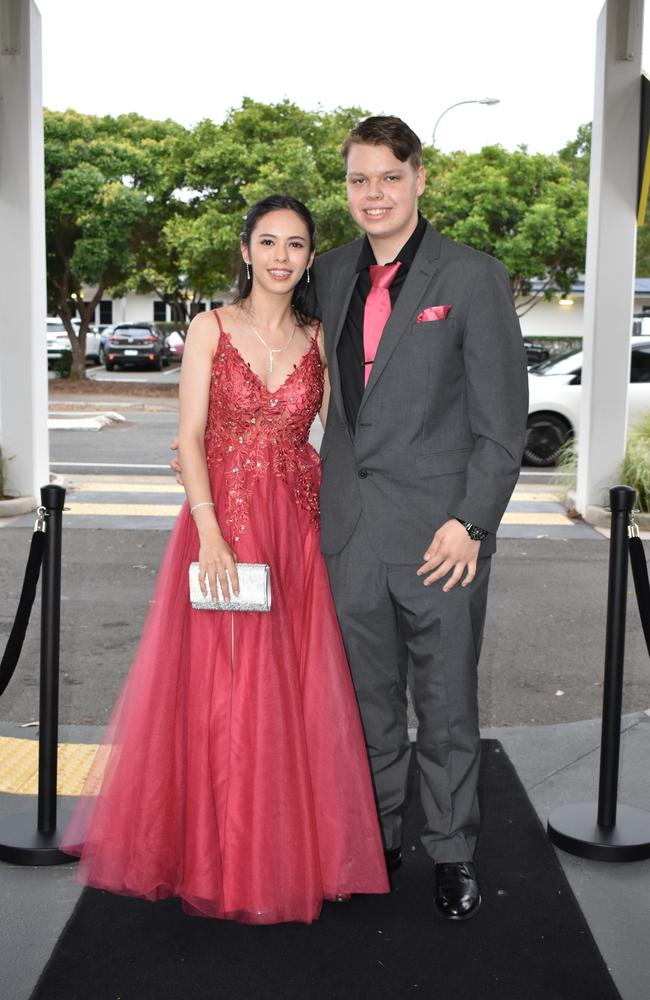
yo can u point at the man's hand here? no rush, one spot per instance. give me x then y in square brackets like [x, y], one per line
[451, 551]
[175, 465]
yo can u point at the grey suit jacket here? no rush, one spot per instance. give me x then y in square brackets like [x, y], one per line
[441, 425]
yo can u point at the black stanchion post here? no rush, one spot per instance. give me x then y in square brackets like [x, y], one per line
[621, 500]
[53, 498]
[33, 837]
[606, 831]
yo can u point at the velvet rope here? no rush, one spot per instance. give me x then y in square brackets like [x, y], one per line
[21, 621]
[641, 584]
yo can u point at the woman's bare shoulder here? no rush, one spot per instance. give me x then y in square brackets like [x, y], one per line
[203, 332]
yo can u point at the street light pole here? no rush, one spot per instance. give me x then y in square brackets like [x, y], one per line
[476, 100]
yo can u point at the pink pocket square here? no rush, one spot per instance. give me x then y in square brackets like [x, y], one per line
[433, 312]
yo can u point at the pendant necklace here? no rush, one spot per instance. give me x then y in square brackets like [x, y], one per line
[272, 350]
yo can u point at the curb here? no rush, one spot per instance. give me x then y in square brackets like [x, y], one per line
[17, 505]
[601, 517]
[150, 404]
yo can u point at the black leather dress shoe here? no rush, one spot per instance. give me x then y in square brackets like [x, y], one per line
[457, 892]
[393, 859]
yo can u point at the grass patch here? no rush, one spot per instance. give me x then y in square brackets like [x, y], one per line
[635, 470]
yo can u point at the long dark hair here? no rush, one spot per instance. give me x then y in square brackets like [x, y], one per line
[304, 300]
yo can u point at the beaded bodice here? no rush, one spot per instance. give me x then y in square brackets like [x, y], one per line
[252, 432]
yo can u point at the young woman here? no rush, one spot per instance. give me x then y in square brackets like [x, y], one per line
[235, 773]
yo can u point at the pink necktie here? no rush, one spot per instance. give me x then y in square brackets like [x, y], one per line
[377, 311]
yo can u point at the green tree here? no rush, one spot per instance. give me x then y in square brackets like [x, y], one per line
[98, 176]
[643, 250]
[529, 210]
[576, 154]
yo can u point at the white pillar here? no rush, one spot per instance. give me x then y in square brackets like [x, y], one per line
[23, 303]
[611, 246]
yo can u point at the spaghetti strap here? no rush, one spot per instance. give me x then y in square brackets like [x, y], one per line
[218, 319]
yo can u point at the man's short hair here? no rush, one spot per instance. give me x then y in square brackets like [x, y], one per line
[386, 130]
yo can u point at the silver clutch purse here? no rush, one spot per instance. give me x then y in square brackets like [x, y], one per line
[254, 590]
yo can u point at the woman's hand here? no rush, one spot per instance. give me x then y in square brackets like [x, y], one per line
[175, 464]
[217, 559]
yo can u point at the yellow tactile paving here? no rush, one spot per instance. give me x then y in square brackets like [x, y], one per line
[536, 497]
[535, 517]
[133, 488]
[99, 509]
[171, 510]
[124, 509]
[19, 766]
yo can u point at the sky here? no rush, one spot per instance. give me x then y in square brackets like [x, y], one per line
[193, 60]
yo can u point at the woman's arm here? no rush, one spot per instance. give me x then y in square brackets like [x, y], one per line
[215, 555]
[326, 376]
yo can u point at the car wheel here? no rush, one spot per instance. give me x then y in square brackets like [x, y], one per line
[110, 365]
[158, 363]
[166, 362]
[546, 435]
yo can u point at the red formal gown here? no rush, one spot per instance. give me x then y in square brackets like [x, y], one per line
[234, 772]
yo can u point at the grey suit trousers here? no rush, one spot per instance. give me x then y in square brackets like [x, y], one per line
[397, 632]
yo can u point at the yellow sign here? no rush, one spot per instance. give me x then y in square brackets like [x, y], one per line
[644, 152]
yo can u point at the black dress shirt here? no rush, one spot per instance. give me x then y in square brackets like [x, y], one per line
[350, 352]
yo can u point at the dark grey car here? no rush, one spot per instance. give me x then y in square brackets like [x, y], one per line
[136, 344]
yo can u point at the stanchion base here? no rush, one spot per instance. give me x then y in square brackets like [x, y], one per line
[21, 843]
[575, 829]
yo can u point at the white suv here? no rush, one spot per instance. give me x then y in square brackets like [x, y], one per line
[58, 341]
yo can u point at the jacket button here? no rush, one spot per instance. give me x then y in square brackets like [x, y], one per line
[363, 473]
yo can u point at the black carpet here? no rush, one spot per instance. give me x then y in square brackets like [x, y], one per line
[528, 942]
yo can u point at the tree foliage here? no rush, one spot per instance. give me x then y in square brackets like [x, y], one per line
[98, 172]
[530, 211]
[577, 154]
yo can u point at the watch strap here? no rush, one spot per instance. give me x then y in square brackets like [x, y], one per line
[475, 533]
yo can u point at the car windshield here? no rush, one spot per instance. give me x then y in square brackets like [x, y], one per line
[564, 364]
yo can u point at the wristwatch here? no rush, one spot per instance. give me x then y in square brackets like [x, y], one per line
[475, 533]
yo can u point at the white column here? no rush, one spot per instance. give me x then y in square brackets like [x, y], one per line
[23, 303]
[611, 246]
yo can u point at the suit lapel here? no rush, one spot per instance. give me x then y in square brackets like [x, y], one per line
[418, 279]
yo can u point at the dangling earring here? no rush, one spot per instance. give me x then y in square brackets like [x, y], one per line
[248, 271]
[308, 278]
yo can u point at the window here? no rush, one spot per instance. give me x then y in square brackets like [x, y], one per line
[106, 312]
[216, 304]
[159, 311]
[196, 307]
[640, 371]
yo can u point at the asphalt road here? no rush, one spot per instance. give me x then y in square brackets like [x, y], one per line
[141, 440]
[170, 374]
[545, 630]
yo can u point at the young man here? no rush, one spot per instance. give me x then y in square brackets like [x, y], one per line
[420, 456]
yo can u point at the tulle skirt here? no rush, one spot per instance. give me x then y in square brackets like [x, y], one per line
[233, 773]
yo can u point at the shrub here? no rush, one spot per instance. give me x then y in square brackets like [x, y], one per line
[63, 364]
[4, 462]
[635, 470]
